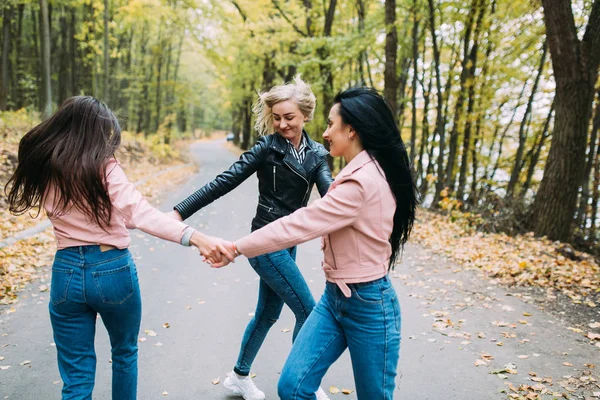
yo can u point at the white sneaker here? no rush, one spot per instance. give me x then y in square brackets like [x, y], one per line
[321, 395]
[244, 387]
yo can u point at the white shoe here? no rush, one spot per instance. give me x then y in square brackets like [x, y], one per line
[244, 387]
[321, 395]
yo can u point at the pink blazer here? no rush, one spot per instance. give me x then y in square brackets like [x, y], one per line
[355, 220]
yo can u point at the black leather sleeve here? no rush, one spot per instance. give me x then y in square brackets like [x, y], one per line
[323, 178]
[249, 162]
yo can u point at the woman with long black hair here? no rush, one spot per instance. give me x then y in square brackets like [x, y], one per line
[364, 220]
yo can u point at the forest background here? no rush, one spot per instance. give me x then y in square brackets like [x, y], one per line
[497, 100]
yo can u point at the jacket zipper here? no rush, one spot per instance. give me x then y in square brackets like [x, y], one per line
[274, 176]
[307, 184]
[265, 207]
[332, 253]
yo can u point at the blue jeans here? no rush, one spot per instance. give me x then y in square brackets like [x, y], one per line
[368, 324]
[280, 282]
[87, 282]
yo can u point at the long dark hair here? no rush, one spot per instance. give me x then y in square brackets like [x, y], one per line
[67, 152]
[371, 117]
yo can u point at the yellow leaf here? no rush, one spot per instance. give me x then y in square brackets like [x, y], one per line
[166, 325]
[333, 390]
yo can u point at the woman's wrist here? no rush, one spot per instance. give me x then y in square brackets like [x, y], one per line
[187, 236]
[235, 249]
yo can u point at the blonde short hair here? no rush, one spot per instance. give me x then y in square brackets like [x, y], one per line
[297, 90]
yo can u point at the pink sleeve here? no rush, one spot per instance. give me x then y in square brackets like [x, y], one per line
[328, 214]
[135, 209]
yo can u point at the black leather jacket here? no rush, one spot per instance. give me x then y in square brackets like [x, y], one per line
[284, 184]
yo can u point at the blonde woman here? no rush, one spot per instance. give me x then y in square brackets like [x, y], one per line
[288, 164]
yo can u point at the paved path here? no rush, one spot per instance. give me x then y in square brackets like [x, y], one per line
[207, 311]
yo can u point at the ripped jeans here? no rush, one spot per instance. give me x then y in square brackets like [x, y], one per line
[280, 282]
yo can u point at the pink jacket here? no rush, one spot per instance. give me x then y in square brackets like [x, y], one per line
[130, 210]
[355, 220]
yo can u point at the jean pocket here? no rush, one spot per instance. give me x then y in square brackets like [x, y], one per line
[59, 286]
[369, 294]
[115, 286]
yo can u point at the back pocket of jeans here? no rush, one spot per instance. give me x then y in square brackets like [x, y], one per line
[115, 286]
[61, 279]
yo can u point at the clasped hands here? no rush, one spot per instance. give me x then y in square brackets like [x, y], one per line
[216, 252]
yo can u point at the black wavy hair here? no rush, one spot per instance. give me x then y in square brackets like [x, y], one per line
[371, 117]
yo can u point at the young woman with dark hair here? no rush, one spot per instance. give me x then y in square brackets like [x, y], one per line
[66, 166]
[364, 220]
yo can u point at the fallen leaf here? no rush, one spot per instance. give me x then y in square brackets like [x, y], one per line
[26, 362]
[142, 339]
[526, 314]
[523, 357]
[479, 362]
[285, 330]
[150, 332]
[567, 364]
[165, 393]
[594, 325]
[216, 380]
[166, 325]
[188, 307]
[593, 336]
[158, 344]
[43, 288]
[4, 367]
[347, 391]
[333, 390]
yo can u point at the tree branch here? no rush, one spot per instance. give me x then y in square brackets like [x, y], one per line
[242, 13]
[284, 15]
[591, 38]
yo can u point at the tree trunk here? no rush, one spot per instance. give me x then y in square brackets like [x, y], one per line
[415, 51]
[516, 171]
[5, 62]
[391, 48]
[440, 120]
[595, 194]
[575, 65]
[591, 158]
[536, 152]
[106, 53]
[472, 64]
[246, 125]
[63, 73]
[45, 60]
[73, 45]
[458, 111]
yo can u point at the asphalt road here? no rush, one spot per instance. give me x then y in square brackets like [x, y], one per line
[449, 318]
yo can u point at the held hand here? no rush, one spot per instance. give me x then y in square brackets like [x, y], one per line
[227, 247]
[213, 249]
[175, 215]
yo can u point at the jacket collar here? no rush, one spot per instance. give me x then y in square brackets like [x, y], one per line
[360, 160]
[280, 145]
[312, 155]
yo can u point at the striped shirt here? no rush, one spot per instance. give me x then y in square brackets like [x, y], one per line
[299, 153]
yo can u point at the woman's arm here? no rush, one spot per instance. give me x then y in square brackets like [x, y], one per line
[135, 209]
[328, 214]
[248, 163]
[323, 178]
